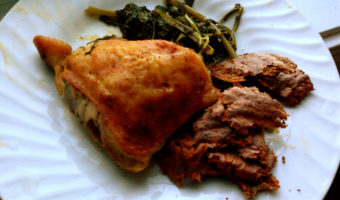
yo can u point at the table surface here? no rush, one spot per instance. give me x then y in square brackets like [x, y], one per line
[327, 24]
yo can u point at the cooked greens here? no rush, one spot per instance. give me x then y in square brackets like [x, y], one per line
[176, 22]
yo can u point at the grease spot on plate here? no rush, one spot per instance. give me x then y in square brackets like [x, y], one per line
[89, 37]
[304, 143]
[41, 12]
[21, 9]
[42, 83]
[110, 32]
[43, 16]
[4, 53]
[12, 145]
[2, 144]
[290, 146]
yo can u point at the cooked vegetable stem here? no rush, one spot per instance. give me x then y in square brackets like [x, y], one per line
[96, 12]
[238, 9]
[183, 28]
[197, 31]
[224, 41]
[180, 36]
[204, 47]
[187, 9]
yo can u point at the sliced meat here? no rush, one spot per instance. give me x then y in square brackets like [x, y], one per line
[237, 168]
[252, 152]
[278, 74]
[245, 108]
[212, 146]
[267, 157]
[185, 157]
[259, 151]
[250, 190]
[181, 159]
[216, 133]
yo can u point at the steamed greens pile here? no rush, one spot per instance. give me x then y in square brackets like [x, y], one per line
[177, 22]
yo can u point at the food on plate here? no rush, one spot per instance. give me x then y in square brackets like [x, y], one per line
[227, 140]
[138, 93]
[177, 22]
[131, 95]
[246, 108]
[277, 74]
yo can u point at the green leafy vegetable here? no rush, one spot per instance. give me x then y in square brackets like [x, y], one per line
[176, 22]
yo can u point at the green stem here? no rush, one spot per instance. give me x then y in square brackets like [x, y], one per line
[187, 9]
[183, 28]
[237, 9]
[97, 12]
[224, 41]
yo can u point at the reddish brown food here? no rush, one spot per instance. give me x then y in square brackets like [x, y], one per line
[211, 146]
[278, 74]
[247, 107]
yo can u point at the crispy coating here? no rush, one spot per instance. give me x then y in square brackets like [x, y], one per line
[278, 74]
[142, 91]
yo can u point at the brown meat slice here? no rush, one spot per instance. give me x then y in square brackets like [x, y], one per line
[210, 146]
[185, 158]
[250, 190]
[276, 73]
[237, 168]
[259, 151]
[245, 108]
[216, 133]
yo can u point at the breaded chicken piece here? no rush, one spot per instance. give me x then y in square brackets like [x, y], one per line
[131, 95]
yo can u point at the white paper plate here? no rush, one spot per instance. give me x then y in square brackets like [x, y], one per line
[46, 154]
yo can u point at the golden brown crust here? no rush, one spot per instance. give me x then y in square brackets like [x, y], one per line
[52, 51]
[143, 90]
[85, 110]
[138, 86]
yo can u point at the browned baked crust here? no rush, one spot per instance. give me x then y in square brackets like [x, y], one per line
[139, 92]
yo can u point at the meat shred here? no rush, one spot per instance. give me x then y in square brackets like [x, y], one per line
[276, 74]
[211, 145]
